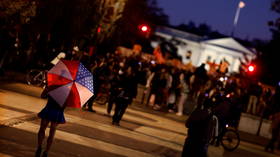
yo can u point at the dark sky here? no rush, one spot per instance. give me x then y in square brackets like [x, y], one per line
[219, 14]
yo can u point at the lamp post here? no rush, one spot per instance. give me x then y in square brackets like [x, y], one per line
[240, 6]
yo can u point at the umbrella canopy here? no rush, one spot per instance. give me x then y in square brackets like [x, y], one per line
[70, 83]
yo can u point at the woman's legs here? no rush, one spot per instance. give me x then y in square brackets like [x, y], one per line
[41, 133]
[41, 136]
[51, 135]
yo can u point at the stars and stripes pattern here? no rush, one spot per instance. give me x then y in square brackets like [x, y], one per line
[85, 78]
[73, 83]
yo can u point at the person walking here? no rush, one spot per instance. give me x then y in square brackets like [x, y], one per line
[113, 92]
[51, 114]
[126, 93]
[98, 75]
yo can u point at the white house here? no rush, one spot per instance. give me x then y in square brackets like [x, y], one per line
[203, 50]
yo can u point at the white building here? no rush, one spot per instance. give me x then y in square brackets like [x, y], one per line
[202, 50]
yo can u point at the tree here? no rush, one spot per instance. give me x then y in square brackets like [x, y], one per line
[269, 58]
[201, 29]
[135, 14]
[56, 23]
[18, 11]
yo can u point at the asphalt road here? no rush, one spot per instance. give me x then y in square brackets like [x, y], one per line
[143, 132]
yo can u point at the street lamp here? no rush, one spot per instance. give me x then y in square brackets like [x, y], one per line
[240, 6]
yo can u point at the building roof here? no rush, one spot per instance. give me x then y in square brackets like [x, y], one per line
[226, 43]
[229, 43]
[177, 33]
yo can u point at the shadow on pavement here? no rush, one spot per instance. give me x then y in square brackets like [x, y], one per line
[19, 143]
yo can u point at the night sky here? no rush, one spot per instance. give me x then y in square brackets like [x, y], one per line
[219, 14]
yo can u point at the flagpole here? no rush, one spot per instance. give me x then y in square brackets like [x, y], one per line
[236, 17]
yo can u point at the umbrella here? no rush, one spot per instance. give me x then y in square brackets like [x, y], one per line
[70, 83]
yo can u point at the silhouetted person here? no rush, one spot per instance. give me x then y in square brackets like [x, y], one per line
[199, 126]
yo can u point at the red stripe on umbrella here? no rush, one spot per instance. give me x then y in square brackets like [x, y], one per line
[73, 99]
[72, 67]
[56, 80]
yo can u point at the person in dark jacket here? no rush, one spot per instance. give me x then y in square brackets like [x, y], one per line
[113, 92]
[275, 128]
[126, 92]
[97, 72]
[199, 126]
[275, 125]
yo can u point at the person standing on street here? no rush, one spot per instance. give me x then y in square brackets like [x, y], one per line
[275, 125]
[184, 90]
[126, 92]
[255, 93]
[275, 128]
[54, 114]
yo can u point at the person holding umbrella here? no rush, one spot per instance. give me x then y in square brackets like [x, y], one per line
[52, 113]
[69, 84]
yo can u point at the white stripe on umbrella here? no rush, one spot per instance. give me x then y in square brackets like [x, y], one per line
[84, 93]
[61, 69]
[60, 94]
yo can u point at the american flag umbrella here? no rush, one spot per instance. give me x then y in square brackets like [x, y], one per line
[70, 83]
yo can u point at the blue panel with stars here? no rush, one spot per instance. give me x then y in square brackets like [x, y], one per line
[85, 78]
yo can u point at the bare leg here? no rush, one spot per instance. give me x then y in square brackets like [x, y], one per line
[51, 135]
[41, 136]
[41, 133]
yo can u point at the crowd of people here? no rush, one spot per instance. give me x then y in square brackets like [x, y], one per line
[168, 87]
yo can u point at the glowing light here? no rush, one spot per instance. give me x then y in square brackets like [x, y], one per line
[251, 68]
[144, 28]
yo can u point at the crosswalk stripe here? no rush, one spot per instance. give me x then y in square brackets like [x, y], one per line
[85, 141]
[162, 134]
[8, 114]
[160, 122]
[143, 136]
[21, 101]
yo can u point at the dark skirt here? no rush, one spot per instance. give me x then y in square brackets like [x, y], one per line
[52, 112]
